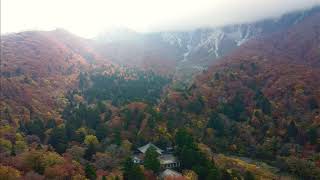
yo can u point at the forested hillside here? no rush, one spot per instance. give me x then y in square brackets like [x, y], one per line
[262, 101]
[37, 69]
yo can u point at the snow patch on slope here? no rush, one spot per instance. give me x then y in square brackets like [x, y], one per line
[171, 39]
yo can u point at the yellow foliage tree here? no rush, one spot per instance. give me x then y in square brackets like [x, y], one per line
[9, 173]
[50, 159]
[190, 175]
[5, 144]
[91, 139]
[20, 146]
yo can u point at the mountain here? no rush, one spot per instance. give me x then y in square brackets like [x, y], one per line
[206, 44]
[138, 50]
[193, 49]
[283, 66]
[261, 101]
[37, 68]
[73, 108]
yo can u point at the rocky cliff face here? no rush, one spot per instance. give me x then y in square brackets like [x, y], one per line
[201, 47]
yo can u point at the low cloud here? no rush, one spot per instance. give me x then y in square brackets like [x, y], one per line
[225, 12]
[89, 17]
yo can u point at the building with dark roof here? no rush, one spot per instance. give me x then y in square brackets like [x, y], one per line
[167, 160]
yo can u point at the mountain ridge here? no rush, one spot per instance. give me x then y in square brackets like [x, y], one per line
[200, 47]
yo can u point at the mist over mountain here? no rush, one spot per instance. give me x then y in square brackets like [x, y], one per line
[194, 50]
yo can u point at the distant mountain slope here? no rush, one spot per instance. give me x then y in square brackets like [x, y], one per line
[262, 100]
[280, 64]
[202, 46]
[193, 49]
[37, 67]
[138, 50]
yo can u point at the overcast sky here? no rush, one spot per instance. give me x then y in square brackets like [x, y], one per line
[90, 17]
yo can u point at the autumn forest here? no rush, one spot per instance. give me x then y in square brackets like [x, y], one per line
[70, 110]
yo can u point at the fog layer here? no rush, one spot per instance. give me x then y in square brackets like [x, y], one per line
[89, 17]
